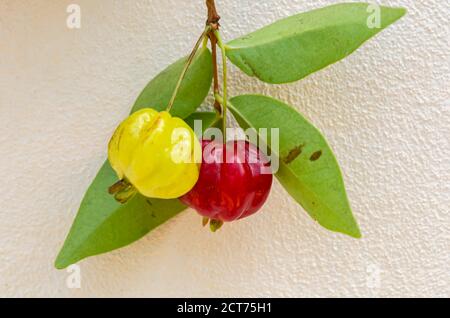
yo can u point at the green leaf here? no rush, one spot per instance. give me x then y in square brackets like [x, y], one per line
[194, 89]
[292, 48]
[308, 169]
[207, 119]
[103, 225]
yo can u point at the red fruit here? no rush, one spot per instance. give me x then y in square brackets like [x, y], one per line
[233, 187]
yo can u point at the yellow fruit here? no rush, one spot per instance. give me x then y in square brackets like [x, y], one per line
[157, 154]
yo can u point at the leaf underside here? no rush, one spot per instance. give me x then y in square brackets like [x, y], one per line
[291, 49]
[308, 169]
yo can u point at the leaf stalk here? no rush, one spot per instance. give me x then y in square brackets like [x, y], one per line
[186, 67]
[224, 75]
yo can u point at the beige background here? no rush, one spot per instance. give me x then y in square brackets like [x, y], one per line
[385, 111]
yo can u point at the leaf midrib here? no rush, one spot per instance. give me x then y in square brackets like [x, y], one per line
[281, 37]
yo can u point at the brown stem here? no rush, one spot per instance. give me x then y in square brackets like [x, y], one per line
[215, 71]
[213, 17]
[213, 21]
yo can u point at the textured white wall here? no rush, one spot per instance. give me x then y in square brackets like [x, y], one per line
[384, 109]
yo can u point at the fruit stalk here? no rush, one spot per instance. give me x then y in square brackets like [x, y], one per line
[213, 41]
[224, 65]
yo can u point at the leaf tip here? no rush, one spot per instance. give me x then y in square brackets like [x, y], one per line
[394, 13]
[61, 261]
[356, 234]
[401, 11]
[59, 264]
[354, 230]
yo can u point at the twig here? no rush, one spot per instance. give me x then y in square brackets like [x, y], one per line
[213, 17]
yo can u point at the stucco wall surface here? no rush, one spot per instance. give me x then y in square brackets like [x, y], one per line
[385, 111]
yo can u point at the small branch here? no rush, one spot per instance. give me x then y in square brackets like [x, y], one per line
[213, 16]
[212, 25]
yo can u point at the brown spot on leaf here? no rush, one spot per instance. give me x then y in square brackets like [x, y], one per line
[293, 154]
[315, 156]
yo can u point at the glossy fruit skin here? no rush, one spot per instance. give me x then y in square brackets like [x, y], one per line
[232, 190]
[158, 154]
